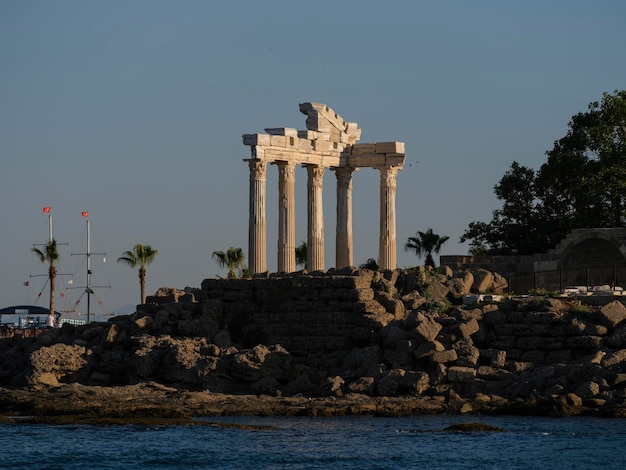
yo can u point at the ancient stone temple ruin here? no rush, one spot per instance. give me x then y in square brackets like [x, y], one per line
[327, 142]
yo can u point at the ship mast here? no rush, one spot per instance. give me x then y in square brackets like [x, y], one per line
[88, 287]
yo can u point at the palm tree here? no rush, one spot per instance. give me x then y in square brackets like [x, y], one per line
[232, 259]
[301, 255]
[142, 256]
[425, 243]
[370, 264]
[51, 255]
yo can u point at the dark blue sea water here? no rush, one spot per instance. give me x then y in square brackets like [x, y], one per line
[322, 443]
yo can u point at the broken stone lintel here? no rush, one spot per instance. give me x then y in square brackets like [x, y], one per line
[256, 139]
[378, 147]
[286, 131]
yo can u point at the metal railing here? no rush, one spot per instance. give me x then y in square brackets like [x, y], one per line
[559, 280]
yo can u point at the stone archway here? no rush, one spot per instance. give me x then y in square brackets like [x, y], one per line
[590, 253]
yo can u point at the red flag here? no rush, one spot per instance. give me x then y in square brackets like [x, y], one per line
[84, 213]
[46, 209]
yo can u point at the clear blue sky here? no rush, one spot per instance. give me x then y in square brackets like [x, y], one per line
[134, 111]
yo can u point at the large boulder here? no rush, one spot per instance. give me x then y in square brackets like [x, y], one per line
[412, 300]
[483, 280]
[389, 383]
[361, 361]
[174, 360]
[436, 290]
[262, 361]
[414, 382]
[499, 284]
[457, 287]
[427, 329]
[460, 284]
[613, 314]
[458, 374]
[165, 295]
[616, 358]
[392, 305]
[59, 363]
[468, 328]
[467, 353]
[363, 385]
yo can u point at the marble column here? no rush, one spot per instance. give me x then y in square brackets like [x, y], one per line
[286, 217]
[343, 240]
[257, 229]
[315, 218]
[387, 240]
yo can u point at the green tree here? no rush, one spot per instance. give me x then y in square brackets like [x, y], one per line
[582, 184]
[370, 264]
[232, 259]
[51, 255]
[584, 176]
[301, 252]
[142, 256]
[514, 225]
[425, 243]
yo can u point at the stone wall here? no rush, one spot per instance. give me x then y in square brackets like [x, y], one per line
[581, 248]
[505, 265]
[320, 318]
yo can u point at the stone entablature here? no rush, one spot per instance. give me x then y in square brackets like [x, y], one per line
[327, 142]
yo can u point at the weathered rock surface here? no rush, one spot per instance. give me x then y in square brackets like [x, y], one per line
[346, 342]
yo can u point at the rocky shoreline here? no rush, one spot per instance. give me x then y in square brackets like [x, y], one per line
[152, 403]
[325, 344]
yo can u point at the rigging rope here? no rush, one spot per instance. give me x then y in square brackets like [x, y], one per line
[41, 292]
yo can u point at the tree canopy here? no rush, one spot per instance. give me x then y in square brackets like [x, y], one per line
[141, 255]
[51, 255]
[371, 264]
[232, 259]
[582, 184]
[301, 253]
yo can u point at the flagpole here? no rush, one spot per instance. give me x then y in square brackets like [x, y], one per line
[88, 273]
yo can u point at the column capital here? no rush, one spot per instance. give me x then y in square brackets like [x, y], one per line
[258, 169]
[389, 170]
[316, 175]
[286, 170]
[344, 174]
[388, 175]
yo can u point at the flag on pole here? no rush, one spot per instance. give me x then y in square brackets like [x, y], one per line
[46, 209]
[85, 214]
